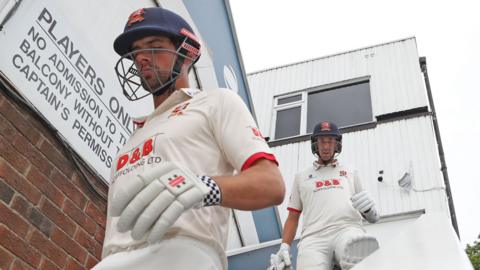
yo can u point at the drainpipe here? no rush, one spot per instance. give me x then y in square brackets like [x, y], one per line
[423, 66]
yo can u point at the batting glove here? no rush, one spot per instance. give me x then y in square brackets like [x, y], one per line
[154, 200]
[365, 205]
[282, 259]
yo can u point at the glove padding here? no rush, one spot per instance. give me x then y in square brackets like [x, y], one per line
[282, 258]
[156, 198]
[365, 205]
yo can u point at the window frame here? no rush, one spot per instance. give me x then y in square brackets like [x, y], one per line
[303, 103]
[276, 108]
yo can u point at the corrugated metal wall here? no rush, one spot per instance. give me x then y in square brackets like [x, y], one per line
[394, 148]
[396, 82]
[402, 141]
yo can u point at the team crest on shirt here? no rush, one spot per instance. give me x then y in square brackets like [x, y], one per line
[179, 110]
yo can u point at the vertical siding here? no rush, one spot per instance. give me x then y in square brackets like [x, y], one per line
[393, 147]
[396, 82]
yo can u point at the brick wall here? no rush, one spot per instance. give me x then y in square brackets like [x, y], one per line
[50, 218]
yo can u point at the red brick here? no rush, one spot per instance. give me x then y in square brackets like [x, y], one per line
[22, 206]
[13, 221]
[6, 192]
[47, 188]
[6, 128]
[73, 265]
[6, 259]
[92, 246]
[69, 245]
[18, 182]
[58, 217]
[10, 154]
[68, 188]
[19, 265]
[56, 157]
[39, 220]
[96, 214]
[99, 196]
[100, 235]
[91, 262]
[16, 117]
[48, 248]
[46, 264]
[41, 127]
[80, 217]
[18, 247]
[34, 155]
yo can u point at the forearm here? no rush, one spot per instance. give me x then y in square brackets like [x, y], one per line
[289, 230]
[258, 187]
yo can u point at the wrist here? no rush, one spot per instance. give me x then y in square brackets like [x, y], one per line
[285, 246]
[214, 196]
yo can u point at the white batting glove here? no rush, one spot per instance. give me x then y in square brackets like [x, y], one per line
[154, 200]
[365, 205]
[282, 259]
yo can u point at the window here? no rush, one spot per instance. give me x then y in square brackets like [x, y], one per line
[288, 115]
[347, 104]
[288, 123]
[289, 99]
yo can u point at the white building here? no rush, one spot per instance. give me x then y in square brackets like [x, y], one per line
[380, 98]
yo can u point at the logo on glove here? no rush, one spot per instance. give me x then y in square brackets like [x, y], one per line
[178, 181]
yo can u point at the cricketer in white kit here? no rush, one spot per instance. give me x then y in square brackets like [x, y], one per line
[198, 154]
[332, 201]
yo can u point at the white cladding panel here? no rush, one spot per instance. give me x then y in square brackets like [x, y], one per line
[396, 82]
[394, 147]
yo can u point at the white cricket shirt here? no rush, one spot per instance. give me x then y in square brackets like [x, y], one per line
[210, 133]
[322, 194]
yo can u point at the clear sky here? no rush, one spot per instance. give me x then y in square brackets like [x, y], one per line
[278, 32]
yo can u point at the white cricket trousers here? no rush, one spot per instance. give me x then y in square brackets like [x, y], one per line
[321, 250]
[178, 253]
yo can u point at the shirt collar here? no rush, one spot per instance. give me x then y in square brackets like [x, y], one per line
[318, 166]
[177, 97]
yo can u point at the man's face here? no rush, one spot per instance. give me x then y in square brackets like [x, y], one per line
[326, 147]
[154, 66]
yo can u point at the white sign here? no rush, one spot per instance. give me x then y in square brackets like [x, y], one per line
[62, 62]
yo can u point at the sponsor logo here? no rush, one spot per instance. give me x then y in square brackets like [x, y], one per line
[327, 184]
[177, 181]
[133, 156]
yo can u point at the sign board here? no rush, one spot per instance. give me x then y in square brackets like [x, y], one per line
[59, 56]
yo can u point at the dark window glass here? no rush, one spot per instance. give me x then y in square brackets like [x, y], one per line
[345, 106]
[288, 123]
[289, 99]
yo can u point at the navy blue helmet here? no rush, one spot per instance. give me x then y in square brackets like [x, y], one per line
[326, 128]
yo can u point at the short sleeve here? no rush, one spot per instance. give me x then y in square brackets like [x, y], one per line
[236, 132]
[295, 202]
